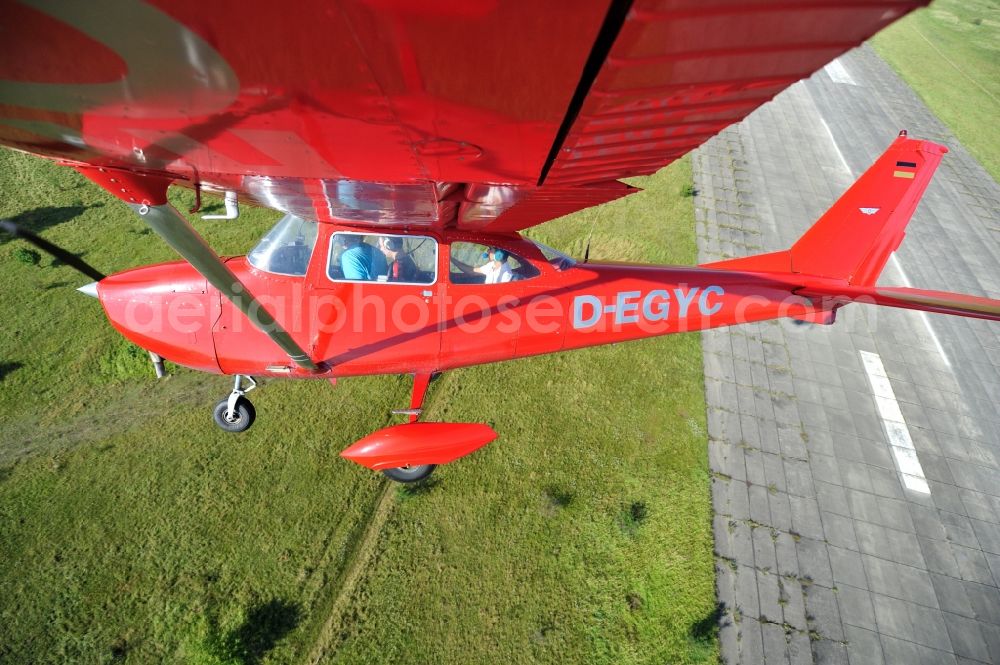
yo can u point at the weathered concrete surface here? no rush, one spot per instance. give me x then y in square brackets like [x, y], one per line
[823, 553]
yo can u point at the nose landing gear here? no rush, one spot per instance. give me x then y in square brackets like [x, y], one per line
[236, 412]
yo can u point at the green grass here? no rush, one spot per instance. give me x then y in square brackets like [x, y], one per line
[131, 529]
[949, 53]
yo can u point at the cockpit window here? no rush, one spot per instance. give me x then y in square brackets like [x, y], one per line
[472, 263]
[556, 259]
[286, 248]
[382, 257]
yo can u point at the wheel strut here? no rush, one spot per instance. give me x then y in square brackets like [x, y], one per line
[238, 392]
[414, 473]
[420, 383]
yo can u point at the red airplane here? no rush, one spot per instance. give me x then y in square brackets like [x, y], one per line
[408, 145]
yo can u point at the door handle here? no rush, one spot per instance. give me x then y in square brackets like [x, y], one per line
[427, 293]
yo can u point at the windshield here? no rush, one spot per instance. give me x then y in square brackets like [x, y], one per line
[556, 259]
[286, 248]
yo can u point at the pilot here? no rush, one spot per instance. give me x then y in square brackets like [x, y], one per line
[496, 269]
[359, 260]
[401, 265]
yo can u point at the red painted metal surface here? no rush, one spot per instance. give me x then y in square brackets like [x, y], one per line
[167, 309]
[680, 71]
[387, 112]
[420, 383]
[413, 444]
[354, 95]
[355, 328]
[129, 186]
[873, 212]
[465, 122]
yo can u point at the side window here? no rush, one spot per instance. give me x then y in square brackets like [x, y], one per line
[472, 263]
[380, 257]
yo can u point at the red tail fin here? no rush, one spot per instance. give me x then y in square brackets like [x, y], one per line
[840, 258]
[853, 240]
[855, 237]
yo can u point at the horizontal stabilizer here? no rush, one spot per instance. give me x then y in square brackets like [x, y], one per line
[941, 302]
[938, 302]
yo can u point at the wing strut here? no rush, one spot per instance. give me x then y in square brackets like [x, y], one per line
[147, 196]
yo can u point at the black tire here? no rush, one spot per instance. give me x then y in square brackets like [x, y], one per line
[245, 415]
[409, 474]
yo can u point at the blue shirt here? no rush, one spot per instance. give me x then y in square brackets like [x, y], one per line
[363, 262]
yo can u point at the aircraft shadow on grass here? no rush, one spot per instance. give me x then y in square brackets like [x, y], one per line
[419, 488]
[40, 219]
[264, 626]
[704, 631]
[6, 368]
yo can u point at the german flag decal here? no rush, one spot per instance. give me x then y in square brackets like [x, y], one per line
[905, 170]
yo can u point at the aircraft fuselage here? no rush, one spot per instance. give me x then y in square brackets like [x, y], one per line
[453, 320]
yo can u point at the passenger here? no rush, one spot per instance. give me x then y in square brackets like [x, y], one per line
[401, 265]
[359, 260]
[496, 269]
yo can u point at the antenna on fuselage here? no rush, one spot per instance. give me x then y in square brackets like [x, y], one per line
[586, 251]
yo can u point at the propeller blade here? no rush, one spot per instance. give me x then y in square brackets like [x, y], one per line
[56, 251]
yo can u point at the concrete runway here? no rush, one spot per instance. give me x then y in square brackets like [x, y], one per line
[856, 467]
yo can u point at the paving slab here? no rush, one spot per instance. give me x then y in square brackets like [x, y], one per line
[840, 538]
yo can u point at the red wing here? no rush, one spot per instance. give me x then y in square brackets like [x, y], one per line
[494, 115]
[680, 71]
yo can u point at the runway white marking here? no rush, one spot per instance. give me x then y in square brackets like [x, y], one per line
[907, 463]
[838, 73]
[833, 142]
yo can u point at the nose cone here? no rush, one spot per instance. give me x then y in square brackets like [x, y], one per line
[163, 308]
[89, 289]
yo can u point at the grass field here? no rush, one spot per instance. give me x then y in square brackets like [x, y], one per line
[131, 529]
[950, 55]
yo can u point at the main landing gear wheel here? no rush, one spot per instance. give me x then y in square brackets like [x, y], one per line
[239, 420]
[236, 413]
[409, 474]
